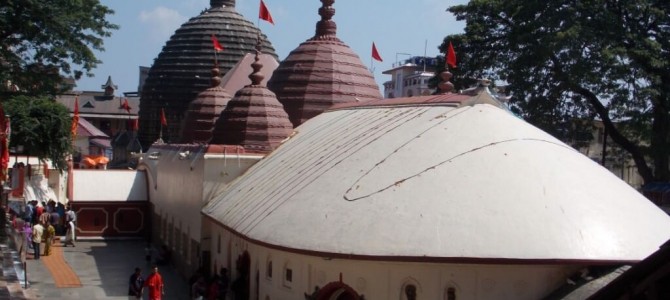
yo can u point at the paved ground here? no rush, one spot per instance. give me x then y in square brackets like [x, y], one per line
[102, 267]
[91, 270]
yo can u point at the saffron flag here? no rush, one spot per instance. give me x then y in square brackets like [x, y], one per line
[75, 118]
[125, 105]
[451, 56]
[163, 119]
[375, 53]
[217, 45]
[264, 13]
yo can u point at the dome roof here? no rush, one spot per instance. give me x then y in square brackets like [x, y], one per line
[321, 72]
[438, 181]
[181, 70]
[253, 119]
[203, 112]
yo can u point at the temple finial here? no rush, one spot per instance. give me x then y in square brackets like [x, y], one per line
[326, 27]
[219, 3]
[257, 77]
[446, 86]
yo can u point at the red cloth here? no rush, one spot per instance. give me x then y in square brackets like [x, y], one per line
[154, 283]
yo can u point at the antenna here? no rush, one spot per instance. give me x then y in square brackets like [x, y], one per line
[425, 46]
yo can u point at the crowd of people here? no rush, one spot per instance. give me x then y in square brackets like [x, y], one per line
[214, 288]
[40, 223]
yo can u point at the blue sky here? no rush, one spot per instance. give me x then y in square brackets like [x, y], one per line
[396, 27]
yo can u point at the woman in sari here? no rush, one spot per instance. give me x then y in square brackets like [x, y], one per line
[49, 238]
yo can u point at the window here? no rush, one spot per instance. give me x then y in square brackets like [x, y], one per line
[268, 270]
[451, 294]
[289, 275]
[218, 246]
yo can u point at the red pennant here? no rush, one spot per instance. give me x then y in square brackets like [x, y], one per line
[125, 105]
[451, 56]
[264, 13]
[375, 53]
[163, 118]
[217, 45]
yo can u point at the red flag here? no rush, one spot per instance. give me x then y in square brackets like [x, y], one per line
[217, 45]
[451, 56]
[163, 119]
[125, 105]
[264, 13]
[75, 118]
[4, 143]
[375, 53]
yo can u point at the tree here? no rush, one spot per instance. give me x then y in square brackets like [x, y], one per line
[577, 60]
[41, 126]
[43, 41]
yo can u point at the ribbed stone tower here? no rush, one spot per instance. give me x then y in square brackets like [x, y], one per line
[203, 112]
[253, 119]
[182, 69]
[321, 72]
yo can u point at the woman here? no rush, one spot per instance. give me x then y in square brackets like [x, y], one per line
[69, 235]
[49, 238]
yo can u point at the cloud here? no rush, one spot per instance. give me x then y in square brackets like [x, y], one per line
[162, 21]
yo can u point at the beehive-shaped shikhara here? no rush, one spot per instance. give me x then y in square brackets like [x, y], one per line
[321, 72]
[253, 119]
[182, 69]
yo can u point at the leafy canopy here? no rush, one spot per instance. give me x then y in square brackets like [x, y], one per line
[41, 126]
[42, 41]
[578, 60]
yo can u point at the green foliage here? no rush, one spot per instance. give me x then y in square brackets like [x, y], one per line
[567, 60]
[42, 126]
[42, 41]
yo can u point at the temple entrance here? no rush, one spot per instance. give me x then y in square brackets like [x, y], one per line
[337, 291]
[241, 284]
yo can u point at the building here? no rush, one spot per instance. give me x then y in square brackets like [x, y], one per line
[410, 77]
[107, 121]
[443, 196]
[182, 69]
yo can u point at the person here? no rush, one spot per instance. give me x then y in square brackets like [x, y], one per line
[69, 235]
[224, 281]
[30, 211]
[28, 233]
[55, 221]
[49, 235]
[135, 285]
[38, 231]
[70, 215]
[214, 289]
[155, 284]
[199, 288]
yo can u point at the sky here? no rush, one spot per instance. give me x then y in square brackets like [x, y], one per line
[399, 29]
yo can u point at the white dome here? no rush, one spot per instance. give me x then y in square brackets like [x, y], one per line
[438, 182]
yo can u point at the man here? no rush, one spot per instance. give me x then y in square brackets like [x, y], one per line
[38, 230]
[30, 211]
[155, 284]
[135, 285]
